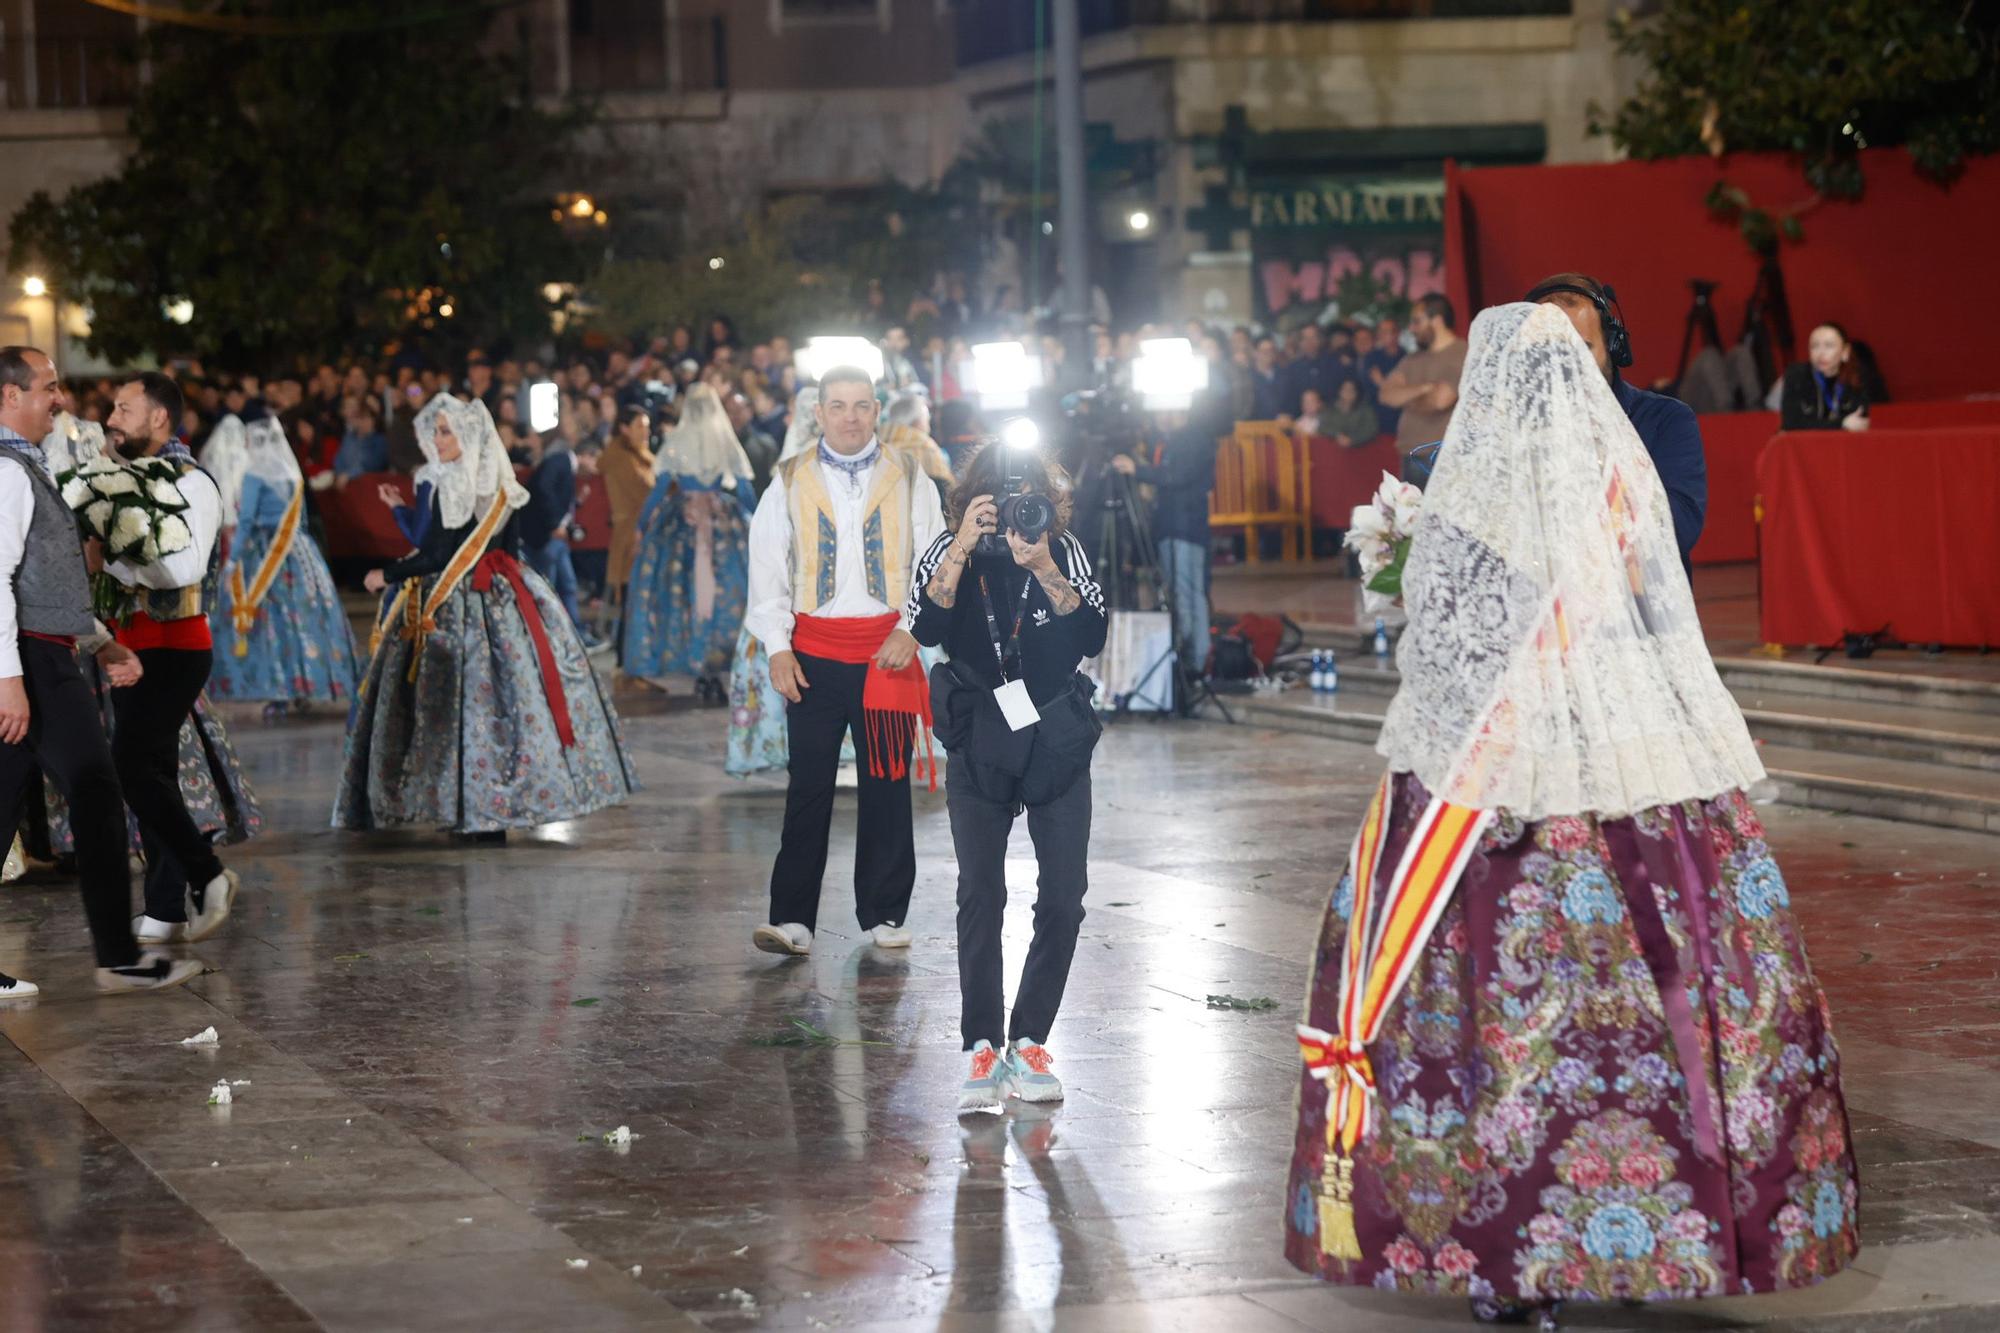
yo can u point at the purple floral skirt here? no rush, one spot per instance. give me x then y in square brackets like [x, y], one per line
[1610, 1077]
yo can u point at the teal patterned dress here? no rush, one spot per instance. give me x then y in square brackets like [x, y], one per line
[664, 631]
[459, 729]
[301, 648]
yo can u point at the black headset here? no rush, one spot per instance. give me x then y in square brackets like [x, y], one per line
[1617, 340]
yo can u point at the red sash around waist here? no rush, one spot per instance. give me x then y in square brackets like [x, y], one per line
[894, 704]
[505, 566]
[140, 631]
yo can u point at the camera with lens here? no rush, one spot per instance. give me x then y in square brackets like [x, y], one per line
[1028, 513]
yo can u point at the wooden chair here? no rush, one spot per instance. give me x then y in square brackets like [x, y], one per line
[1263, 478]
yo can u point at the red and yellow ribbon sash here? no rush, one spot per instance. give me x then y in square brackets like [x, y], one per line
[1386, 934]
[244, 604]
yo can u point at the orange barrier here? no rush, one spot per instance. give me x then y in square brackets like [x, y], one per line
[1263, 479]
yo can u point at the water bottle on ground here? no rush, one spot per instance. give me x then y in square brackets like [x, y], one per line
[1332, 672]
[1318, 676]
[1381, 642]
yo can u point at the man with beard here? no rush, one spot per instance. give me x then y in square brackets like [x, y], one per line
[169, 632]
[1424, 385]
[48, 715]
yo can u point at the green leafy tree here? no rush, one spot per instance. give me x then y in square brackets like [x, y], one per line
[322, 183]
[1823, 79]
[763, 283]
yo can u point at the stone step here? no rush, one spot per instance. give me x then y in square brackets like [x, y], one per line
[1910, 793]
[1858, 685]
[1898, 731]
[1838, 779]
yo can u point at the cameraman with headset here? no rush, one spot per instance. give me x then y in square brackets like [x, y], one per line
[1666, 426]
[1017, 613]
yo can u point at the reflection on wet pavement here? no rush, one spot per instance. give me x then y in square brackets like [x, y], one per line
[430, 1042]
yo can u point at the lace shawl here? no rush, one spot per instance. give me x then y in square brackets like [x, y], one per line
[1553, 663]
[465, 486]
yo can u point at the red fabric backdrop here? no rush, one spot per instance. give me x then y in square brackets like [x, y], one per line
[1909, 267]
[1345, 478]
[1891, 527]
[1732, 442]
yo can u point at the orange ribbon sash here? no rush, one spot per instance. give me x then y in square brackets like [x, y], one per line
[244, 604]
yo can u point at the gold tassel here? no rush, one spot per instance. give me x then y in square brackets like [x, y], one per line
[1336, 1208]
[242, 645]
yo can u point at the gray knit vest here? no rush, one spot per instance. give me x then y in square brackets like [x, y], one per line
[51, 588]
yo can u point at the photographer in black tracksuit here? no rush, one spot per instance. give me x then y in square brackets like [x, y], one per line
[1013, 713]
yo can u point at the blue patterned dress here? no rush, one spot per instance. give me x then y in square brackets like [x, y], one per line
[662, 632]
[301, 648]
[457, 730]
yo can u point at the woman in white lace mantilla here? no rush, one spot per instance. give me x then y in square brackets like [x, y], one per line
[1562, 1041]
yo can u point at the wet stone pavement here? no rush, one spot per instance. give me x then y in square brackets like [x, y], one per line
[428, 1043]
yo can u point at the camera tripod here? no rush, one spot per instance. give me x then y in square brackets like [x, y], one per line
[1126, 557]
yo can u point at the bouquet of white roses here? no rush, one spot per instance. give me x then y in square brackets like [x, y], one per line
[134, 507]
[1379, 535]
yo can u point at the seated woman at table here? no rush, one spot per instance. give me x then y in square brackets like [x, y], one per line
[1351, 421]
[1825, 391]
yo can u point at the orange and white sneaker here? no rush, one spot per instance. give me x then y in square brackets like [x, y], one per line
[1030, 1062]
[987, 1085]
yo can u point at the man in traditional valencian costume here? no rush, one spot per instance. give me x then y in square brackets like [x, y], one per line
[832, 546]
[168, 629]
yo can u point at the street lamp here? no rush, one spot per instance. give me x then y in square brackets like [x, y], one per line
[1139, 221]
[34, 286]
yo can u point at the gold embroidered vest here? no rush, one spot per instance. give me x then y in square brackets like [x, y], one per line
[885, 532]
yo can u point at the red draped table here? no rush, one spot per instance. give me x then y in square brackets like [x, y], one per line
[1886, 527]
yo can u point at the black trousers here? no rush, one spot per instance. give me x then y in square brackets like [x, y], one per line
[885, 852]
[146, 742]
[66, 741]
[979, 831]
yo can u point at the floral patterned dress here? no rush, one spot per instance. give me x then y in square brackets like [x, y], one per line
[301, 648]
[682, 524]
[1611, 1075]
[212, 783]
[456, 729]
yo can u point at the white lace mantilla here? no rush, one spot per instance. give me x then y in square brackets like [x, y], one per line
[1553, 662]
[467, 484]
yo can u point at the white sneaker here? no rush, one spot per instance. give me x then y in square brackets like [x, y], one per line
[152, 930]
[13, 988]
[153, 971]
[1033, 1082]
[889, 935]
[988, 1082]
[217, 899]
[791, 938]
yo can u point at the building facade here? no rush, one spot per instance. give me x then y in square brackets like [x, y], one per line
[1262, 151]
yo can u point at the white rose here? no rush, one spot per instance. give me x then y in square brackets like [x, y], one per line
[115, 483]
[149, 551]
[1367, 522]
[166, 493]
[102, 463]
[132, 526]
[173, 535]
[76, 492]
[97, 516]
[1409, 504]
